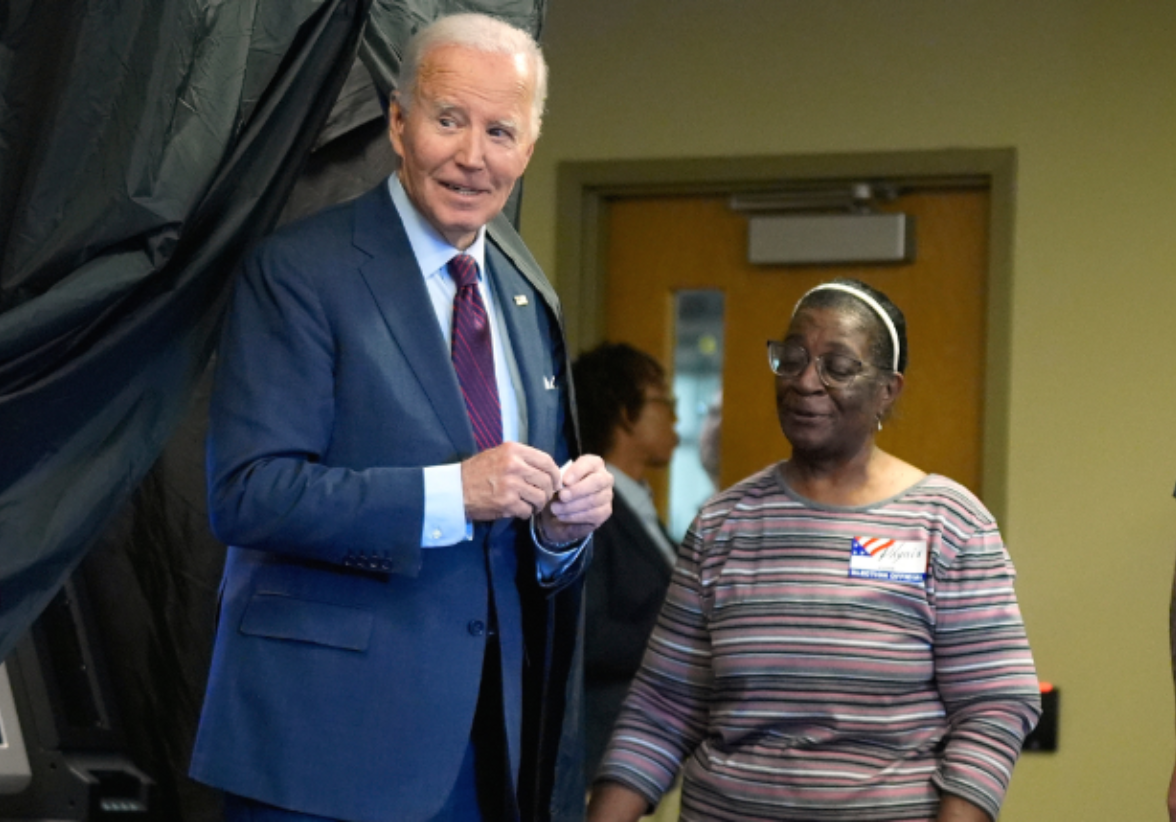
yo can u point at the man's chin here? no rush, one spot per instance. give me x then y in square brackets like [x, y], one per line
[468, 219]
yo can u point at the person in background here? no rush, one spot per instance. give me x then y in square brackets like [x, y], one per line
[841, 639]
[710, 441]
[392, 460]
[626, 415]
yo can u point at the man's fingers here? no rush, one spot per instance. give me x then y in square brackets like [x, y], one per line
[579, 524]
[586, 498]
[517, 480]
[593, 517]
[587, 486]
[587, 465]
[542, 481]
[579, 499]
[509, 480]
[583, 511]
[533, 459]
[535, 498]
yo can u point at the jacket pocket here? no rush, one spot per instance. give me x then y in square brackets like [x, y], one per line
[278, 616]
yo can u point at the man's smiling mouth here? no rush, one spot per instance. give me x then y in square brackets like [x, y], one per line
[461, 189]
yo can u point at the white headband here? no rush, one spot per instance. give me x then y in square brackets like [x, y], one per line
[868, 300]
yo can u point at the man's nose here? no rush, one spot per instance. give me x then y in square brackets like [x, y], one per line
[472, 150]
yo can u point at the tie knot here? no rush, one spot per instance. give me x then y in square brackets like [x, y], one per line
[464, 270]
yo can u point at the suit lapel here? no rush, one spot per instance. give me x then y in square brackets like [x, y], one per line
[518, 302]
[507, 251]
[398, 287]
[512, 246]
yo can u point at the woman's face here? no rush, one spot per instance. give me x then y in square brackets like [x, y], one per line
[652, 433]
[831, 423]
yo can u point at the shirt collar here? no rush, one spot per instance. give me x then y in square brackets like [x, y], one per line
[431, 250]
[637, 494]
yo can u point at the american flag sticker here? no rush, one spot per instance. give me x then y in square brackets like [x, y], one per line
[889, 559]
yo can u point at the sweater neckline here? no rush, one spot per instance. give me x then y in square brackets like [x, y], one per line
[778, 474]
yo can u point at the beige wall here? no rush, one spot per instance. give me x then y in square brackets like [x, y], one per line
[1086, 94]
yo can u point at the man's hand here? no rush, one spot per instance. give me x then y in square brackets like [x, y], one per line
[508, 480]
[582, 505]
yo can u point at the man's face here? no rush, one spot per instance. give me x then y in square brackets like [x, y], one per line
[467, 137]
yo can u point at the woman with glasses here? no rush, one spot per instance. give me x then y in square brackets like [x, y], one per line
[841, 639]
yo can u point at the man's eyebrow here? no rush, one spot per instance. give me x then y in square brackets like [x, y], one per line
[442, 107]
[509, 123]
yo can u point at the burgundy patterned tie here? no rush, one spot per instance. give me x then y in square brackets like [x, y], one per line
[473, 354]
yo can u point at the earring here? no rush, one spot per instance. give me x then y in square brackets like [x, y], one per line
[879, 422]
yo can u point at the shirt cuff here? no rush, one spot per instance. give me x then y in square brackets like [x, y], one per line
[552, 562]
[444, 522]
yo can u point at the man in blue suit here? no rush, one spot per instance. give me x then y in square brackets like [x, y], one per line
[391, 461]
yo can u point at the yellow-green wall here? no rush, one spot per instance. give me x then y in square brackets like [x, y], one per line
[1086, 94]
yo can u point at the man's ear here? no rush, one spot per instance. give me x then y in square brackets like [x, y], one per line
[396, 118]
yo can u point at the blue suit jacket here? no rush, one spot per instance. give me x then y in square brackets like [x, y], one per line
[348, 660]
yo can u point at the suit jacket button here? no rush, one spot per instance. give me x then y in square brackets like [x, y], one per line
[476, 627]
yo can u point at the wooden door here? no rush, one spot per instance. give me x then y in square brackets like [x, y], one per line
[657, 246]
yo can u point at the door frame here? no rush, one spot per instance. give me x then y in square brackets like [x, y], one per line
[584, 188]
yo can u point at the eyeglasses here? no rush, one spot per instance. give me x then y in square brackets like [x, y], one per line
[789, 360]
[670, 402]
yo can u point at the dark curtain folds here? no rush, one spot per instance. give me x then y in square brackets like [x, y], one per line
[142, 146]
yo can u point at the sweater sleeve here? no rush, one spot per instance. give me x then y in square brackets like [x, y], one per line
[983, 668]
[664, 717]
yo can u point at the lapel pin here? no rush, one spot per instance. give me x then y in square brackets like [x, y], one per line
[548, 382]
[520, 299]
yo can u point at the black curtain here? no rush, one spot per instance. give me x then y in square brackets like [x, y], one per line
[143, 145]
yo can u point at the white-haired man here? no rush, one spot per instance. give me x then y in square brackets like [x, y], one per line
[392, 461]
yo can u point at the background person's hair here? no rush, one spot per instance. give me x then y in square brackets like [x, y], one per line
[481, 33]
[610, 385]
[881, 347]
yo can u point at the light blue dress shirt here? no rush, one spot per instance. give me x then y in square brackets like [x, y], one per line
[444, 520]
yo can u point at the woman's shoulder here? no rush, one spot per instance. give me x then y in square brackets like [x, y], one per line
[726, 514]
[744, 499]
[762, 483]
[951, 497]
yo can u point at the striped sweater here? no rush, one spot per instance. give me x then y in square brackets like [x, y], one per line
[795, 691]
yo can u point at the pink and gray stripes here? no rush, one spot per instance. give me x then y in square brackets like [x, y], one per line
[793, 691]
[473, 354]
